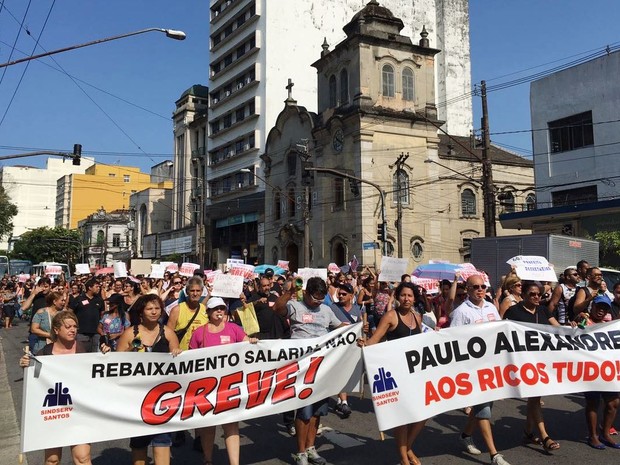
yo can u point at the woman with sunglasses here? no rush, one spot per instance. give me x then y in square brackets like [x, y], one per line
[529, 310]
[149, 335]
[512, 293]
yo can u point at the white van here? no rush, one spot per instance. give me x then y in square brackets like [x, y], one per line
[611, 277]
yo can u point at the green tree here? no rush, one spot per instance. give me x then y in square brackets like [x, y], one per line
[7, 211]
[609, 247]
[49, 245]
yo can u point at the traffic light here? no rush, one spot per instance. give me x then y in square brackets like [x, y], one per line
[381, 232]
[77, 154]
[307, 177]
[355, 187]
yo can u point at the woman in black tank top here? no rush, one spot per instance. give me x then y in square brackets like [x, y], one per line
[402, 322]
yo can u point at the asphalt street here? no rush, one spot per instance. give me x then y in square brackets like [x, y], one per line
[355, 440]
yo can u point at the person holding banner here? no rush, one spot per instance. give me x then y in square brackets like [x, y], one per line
[403, 322]
[149, 336]
[218, 331]
[63, 334]
[475, 309]
[529, 310]
[309, 318]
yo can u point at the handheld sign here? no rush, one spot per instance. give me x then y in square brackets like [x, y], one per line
[227, 285]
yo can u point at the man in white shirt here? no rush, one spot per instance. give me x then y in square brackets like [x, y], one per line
[476, 309]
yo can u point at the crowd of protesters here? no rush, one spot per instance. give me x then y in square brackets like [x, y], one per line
[177, 313]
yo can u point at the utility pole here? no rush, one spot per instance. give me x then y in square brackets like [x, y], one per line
[488, 190]
[400, 162]
[305, 160]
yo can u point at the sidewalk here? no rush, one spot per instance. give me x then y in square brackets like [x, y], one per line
[9, 428]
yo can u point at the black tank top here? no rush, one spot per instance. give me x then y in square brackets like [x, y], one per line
[402, 330]
[161, 343]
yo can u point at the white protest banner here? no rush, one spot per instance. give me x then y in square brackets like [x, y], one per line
[211, 274]
[187, 269]
[22, 278]
[469, 365]
[247, 271]
[333, 268]
[431, 285]
[82, 268]
[227, 285]
[231, 262]
[53, 270]
[120, 270]
[170, 266]
[393, 268]
[533, 268]
[157, 271]
[307, 273]
[156, 393]
[283, 264]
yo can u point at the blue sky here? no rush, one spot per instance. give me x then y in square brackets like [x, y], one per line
[50, 112]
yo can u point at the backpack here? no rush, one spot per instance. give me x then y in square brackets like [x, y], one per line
[570, 306]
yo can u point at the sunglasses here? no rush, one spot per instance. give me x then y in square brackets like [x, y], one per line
[340, 294]
[534, 294]
[176, 282]
[317, 299]
[478, 286]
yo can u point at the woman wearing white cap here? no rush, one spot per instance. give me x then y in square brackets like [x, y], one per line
[219, 331]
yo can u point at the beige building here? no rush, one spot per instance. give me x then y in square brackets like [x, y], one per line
[377, 121]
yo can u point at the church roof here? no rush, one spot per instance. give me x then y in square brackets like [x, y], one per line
[373, 13]
[452, 148]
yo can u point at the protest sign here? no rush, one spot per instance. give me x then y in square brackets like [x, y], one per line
[22, 278]
[393, 268]
[307, 273]
[533, 268]
[333, 268]
[157, 270]
[120, 270]
[170, 266]
[431, 285]
[227, 285]
[468, 365]
[231, 262]
[53, 270]
[211, 274]
[156, 393]
[82, 268]
[240, 269]
[187, 269]
[283, 264]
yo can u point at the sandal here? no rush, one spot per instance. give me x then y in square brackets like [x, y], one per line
[529, 438]
[549, 444]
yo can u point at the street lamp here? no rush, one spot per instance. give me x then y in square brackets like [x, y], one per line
[171, 33]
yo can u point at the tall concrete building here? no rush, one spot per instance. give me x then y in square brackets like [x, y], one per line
[257, 45]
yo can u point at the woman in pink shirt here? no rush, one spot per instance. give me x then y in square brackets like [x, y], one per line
[219, 331]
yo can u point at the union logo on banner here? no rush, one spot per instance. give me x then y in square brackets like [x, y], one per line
[384, 388]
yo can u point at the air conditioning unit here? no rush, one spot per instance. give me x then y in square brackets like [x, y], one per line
[246, 147]
[227, 93]
[215, 100]
[239, 85]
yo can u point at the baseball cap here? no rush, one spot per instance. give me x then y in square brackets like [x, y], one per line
[346, 287]
[269, 272]
[215, 302]
[602, 299]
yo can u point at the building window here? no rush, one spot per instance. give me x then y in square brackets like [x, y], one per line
[387, 79]
[112, 175]
[291, 202]
[277, 205]
[338, 193]
[126, 178]
[116, 240]
[417, 251]
[401, 187]
[100, 237]
[344, 87]
[291, 161]
[530, 202]
[507, 202]
[571, 133]
[333, 96]
[408, 84]
[576, 196]
[468, 203]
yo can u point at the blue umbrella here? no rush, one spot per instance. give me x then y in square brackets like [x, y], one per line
[437, 271]
[260, 269]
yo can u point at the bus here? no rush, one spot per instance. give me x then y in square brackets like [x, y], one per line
[43, 268]
[20, 266]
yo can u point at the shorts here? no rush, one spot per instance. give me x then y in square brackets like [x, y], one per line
[482, 411]
[596, 395]
[318, 409]
[155, 440]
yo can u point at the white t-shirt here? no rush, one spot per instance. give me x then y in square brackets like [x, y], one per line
[468, 313]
